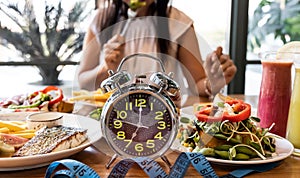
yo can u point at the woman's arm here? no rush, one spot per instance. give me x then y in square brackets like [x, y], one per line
[189, 56]
[214, 74]
[89, 69]
[91, 72]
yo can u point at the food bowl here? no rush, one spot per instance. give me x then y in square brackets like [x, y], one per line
[39, 120]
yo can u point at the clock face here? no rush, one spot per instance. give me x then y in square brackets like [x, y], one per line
[139, 124]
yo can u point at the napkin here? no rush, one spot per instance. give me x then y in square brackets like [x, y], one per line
[251, 169]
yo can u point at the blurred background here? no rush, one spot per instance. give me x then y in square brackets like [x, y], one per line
[244, 28]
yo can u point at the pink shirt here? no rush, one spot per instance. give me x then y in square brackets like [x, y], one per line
[144, 40]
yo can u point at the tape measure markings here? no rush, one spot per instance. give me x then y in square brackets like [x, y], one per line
[198, 161]
[80, 169]
[148, 165]
[75, 168]
[180, 166]
[205, 168]
[121, 168]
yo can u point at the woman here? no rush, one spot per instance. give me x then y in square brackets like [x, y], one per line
[156, 29]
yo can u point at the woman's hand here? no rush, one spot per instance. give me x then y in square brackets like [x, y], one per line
[220, 69]
[113, 51]
[228, 67]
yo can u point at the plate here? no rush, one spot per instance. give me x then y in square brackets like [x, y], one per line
[20, 163]
[284, 148]
[188, 112]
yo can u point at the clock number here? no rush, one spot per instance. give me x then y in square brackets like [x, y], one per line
[128, 106]
[150, 144]
[121, 114]
[121, 135]
[139, 147]
[151, 106]
[161, 125]
[140, 102]
[158, 136]
[159, 115]
[129, 142]
[117, 124]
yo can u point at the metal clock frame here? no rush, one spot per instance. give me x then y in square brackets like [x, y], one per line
[160, 85]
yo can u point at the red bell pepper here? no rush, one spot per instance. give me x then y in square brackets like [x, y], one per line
[58, 97]
[241, 111]
[207, 114]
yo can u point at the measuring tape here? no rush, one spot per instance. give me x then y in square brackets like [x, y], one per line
[75, 169]
[153, 169]
[150, 167]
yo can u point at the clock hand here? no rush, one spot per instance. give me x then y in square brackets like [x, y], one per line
[139, 124]
[134, 134]
[136, 125]
[140, 116]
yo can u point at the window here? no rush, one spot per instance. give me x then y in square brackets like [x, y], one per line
[271, 24]
[253, 72]
[39, 45]
[211, 21]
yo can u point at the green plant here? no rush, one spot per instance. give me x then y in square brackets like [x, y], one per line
[280, 18]
[50, 42]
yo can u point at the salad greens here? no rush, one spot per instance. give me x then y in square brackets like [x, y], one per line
[241, 140]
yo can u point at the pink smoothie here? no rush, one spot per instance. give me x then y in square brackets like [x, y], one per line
[275, 94]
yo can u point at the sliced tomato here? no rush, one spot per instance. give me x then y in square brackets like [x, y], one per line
[241, 111]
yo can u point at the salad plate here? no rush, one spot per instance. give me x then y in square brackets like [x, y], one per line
[284, 148]
[71, 120]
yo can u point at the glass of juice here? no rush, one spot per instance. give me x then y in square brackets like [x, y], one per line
[275, 92]
[293, 127]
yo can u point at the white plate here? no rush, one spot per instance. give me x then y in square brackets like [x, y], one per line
[72, 120]
[284, 148]
[187, 111]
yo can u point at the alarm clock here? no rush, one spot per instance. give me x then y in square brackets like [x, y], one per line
[140, 117]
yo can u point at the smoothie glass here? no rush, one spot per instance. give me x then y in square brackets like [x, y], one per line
[293, 127]
[275, 92]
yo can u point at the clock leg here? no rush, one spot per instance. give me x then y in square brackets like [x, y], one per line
[113, 158]
[165, 159]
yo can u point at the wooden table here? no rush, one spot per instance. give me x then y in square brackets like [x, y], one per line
[96, 159]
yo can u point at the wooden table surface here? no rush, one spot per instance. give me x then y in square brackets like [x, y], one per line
[96, 159]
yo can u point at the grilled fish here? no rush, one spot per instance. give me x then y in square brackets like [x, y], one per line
[52, 139]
